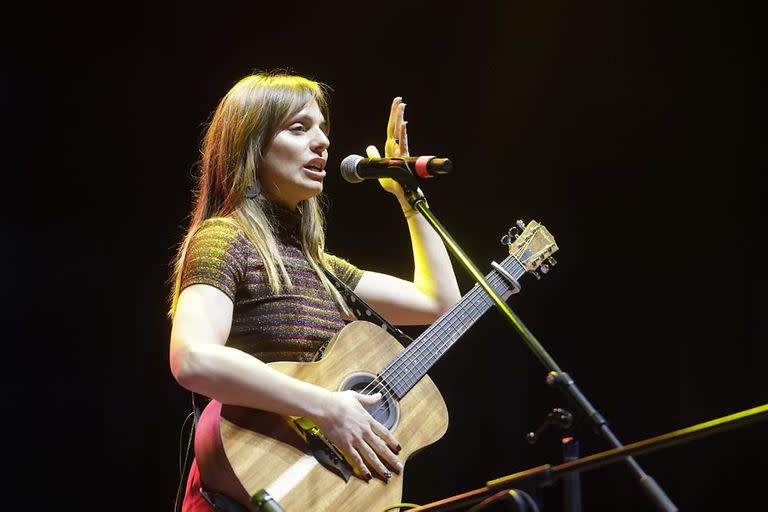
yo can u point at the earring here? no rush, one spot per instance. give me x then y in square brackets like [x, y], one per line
[252, 191]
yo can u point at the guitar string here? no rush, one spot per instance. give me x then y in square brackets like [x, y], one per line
[398, 371]
[379, 380]
[478, 292]
[401, 364]
[402, 369]
[448, 340]
[457, 321]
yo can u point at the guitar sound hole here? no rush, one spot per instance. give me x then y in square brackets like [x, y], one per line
[387, 410]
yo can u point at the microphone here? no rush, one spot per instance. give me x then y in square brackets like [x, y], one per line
[355, 168]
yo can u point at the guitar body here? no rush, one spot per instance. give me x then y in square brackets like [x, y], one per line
[241, 451]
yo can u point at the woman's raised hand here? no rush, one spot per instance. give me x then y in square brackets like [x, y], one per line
[395, 145]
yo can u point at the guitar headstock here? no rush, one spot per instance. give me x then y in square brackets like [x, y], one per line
[533, 248]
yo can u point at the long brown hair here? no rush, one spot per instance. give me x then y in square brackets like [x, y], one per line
[243, 125]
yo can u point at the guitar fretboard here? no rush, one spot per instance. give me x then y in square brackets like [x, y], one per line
[403, 372]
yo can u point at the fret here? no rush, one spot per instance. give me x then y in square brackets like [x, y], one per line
[414, 362]
[410, 366]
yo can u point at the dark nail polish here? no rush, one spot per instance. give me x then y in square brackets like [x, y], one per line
[368, 476]
[388, 474]
[399, 448]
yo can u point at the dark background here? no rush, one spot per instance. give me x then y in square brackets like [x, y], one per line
[632, 130]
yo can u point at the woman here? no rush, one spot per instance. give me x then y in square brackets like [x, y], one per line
[250, 284]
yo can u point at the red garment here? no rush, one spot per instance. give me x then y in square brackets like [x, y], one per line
[193, 500]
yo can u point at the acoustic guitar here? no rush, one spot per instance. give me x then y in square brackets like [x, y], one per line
[252, 455]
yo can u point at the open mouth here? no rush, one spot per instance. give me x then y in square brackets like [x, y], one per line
[314, 170]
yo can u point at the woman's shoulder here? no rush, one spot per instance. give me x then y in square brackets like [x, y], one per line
[220, 230]
[223, 225]
[227, 223]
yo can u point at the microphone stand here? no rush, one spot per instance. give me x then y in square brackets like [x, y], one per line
[546, 474]
[555, 376]
[563, 420]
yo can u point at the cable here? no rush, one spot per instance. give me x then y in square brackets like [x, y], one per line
[487, 501]
[527, 497]
[401, 506]
[521, 500]
[183, 463]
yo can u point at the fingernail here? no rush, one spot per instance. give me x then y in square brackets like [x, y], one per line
[399, 468]
[388, 474]
[368, 476]
[398, 448]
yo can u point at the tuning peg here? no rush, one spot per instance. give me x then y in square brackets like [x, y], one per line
[535, 274]
[510, 237]
[544, 268]
[521, 225]
[552, 261]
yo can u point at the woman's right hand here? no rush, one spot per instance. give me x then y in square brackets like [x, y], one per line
[366, 442]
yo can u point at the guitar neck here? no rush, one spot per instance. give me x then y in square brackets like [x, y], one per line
[403, 372]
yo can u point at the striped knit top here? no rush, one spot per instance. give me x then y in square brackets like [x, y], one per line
[287, 326]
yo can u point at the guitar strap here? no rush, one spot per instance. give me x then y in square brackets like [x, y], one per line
[360, 309]
[363, 311]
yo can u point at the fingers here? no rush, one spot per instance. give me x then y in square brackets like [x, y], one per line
[357, 461]
[372, 152]
[371, 453]
[404, 140]
[367, 444]
[368, 399]
[399, 131]
[375, 453]
[383, 433]
[380, 431]
[395, 134]
[378, 446]
[391, 124]
[400, 115]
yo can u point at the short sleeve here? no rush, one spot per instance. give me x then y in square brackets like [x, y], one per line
[344, 270]
[216, 256]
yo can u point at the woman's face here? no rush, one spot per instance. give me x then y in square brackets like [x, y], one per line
[293, 166]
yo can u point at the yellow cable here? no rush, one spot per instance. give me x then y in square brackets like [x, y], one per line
[401, 506]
